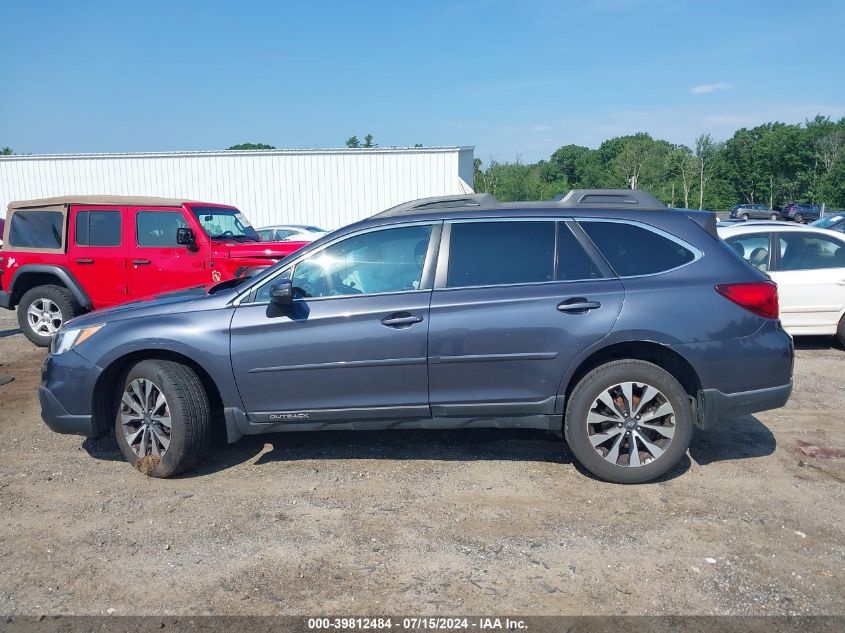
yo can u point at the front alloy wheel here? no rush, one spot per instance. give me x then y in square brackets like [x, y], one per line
[145, 418]
[631, 424]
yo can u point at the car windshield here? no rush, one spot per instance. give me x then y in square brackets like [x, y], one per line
[225, 223]
[828, 221]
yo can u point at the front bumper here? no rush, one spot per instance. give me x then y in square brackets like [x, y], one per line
[715, 405]
[66, 394]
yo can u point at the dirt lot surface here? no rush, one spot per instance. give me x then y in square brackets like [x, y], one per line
[472, 522]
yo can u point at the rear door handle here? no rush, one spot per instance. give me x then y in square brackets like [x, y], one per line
[579, 305]
[140, 262]
[401, 320]
[84, 261]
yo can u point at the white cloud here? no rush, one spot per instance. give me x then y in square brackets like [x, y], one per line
[706, 88]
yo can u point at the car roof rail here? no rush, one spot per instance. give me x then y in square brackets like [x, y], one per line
[612, 199]
[460, 201]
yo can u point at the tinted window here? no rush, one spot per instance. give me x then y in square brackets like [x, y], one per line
[390, 260]
[572, 262]
[36, 229]
[225, 223]
[98, 228]
[753, 248]
[805, 251]
[634, 250]
[491, 253]
[158, 228]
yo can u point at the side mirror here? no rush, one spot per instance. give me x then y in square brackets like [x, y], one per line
[185, 236]
[281, 292]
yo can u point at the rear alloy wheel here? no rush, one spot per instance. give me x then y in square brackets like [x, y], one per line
[773, 216]
[799, 218]
[42, 311]
[162, 418]
[628, 421]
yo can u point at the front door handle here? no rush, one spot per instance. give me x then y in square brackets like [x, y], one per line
[140, 262]
[84, 261]
[401, 319]
[578, 305]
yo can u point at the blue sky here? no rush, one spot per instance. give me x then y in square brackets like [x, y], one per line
[514, 78]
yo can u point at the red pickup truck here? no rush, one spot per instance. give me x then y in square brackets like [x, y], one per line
[64, 256]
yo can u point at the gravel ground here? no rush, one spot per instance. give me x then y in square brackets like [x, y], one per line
[474, 522]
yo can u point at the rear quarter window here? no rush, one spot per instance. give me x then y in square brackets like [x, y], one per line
[36, 229]
[633, 250]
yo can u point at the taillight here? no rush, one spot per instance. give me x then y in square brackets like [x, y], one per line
[759, 297]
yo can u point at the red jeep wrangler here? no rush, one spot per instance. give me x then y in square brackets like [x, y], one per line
[64, 256]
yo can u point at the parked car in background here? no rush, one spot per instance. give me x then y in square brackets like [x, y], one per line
[291, 232]
[835, 221]
[610, 319]
[64, 256]
[753, 211]
[801, 213]
[808, 265]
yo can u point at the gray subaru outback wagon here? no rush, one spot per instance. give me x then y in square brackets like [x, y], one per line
[604, 317]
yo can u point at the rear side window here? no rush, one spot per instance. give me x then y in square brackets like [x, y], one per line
[634, 250]
[492, 253]
[807, 251]
[36, 229]
[98, 228]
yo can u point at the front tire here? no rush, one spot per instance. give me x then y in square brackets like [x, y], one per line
[162, 423]
[42, 311]
[628, 421]
[745, 216]
[840, 332]
[773, 216]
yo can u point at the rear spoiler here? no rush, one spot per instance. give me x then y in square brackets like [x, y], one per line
[704, 219]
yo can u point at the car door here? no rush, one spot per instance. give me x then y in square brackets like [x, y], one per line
[352, 345]
[810, 273]
[515, 301]
[156, 263]
[97, 252]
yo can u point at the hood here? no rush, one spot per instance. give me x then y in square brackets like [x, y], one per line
[252, 250]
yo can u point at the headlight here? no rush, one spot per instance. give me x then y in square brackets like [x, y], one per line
[66, 339]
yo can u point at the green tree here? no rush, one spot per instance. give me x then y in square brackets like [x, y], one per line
[353, 141]
[248, 146]
[368, 141]
[6, 151]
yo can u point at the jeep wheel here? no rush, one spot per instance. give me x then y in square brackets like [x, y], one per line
[163, 420]
[43, 309]
[628, 421]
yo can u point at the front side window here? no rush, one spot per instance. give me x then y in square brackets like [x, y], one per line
[633, 250]
[158, 228]
[223, 223]
[494, 253]
[388, 260]
[98, 228]
[753, 248]
[36, 229]
[806, 251]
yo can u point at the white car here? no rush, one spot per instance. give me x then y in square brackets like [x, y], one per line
[808, 265]
[290, 233]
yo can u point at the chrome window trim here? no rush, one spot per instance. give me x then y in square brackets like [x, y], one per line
[697, 253]
[289, 265]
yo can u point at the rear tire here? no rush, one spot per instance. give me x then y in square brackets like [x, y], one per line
[744, 216]
[43, 310]
[799, 218]
[163, 419]
[773, 216]
[840, 332]
[605, 447]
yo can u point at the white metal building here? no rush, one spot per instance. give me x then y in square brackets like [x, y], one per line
[325, 187]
